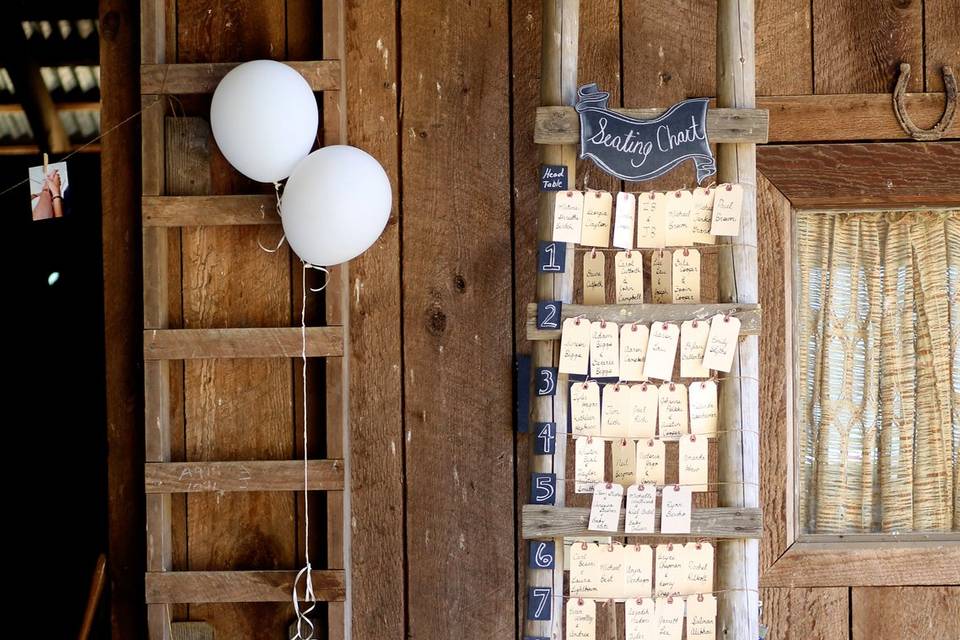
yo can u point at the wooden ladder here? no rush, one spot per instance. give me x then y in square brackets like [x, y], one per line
[737, 126]
[162, 344]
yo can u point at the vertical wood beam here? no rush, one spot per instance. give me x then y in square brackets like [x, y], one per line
[738, 452]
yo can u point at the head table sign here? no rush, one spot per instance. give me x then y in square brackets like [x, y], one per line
[635, 150]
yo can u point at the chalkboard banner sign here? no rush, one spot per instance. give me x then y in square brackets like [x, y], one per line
[632, 149]
[553, 177]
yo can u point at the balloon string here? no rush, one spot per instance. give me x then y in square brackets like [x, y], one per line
[283, 237]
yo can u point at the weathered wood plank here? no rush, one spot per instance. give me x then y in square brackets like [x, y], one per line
[749, 315]
[180, 79]
[848, 117]
[192, 631]
[810, 564]
[278, 342]
[203, 587]
[721, 522]
[195, 211]
[893, 613]
[247, 475]
[806, 614]
[850, 175]
[784, 48]
[561, 125]
[941, 46]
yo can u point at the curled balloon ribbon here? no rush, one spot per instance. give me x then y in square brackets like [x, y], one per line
[276, 187]
[305, 626]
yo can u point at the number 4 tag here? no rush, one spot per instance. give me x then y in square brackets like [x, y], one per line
[545, 438]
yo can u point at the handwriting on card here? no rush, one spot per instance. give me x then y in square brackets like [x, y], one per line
[584, 569]
[594, 284]
[567, 216]
[702, 216]
[686, 276]
[553, 177]
[628, 267]
[722, 342]
[588, 463]
[694, 460]
[605, 506]
[727, 208]
[610, 560]
[651, 461]
[604, 349]
[703, 408]
[672, 410]
[675, 510]
[651, 220]
[679, 206]
[615, 413]
[693, 344]
[640, 619]
[699, 575]
[596, 219]
[661, 276]
[624, 220]
[633, 351]
[644, 404]
[585, 408]
[702, 617]
[575, 346]
[671, 568]
[581, 619]
[661, 350]
[641, 511]
[624, 461]
[638, 570]
[669, 614]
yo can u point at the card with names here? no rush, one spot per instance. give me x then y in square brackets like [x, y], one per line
[703, 408]
[623, 220]
[671, 568]
[605, 506]
[686, 276]
[661, 276]
[699, 575]
[610, 560]
[722, 342]
[604, 349]
[672, 410]
[633, 351]
[675, 509]
[628, 270]
[702, 617]
[624, 454]
[585, 408]
[694, 460]
[727, 208]
[588, 463]
[644, 405]
[702, 217]
[651, 462]
[597, 207]
[575, 346]
[638, 571]
[581, 619]
[615, 412]
[679, 205]
[693, 344]
[594, 285]
[584, 569]
[640, 619]
[651, 220]
[641, 511]
[661, 350]
[568, 216]
[669, 614]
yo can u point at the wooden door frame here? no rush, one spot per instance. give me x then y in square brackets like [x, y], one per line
[804, 177]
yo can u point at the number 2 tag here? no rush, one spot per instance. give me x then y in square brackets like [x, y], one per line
[548, 314]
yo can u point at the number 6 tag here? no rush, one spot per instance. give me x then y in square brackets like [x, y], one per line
[541, 554]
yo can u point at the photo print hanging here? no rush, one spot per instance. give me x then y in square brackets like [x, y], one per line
[49, 190]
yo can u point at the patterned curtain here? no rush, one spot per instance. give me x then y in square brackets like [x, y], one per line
[878, 413]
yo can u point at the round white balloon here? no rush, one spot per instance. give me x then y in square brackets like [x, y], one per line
[264, 119]
[335, 205]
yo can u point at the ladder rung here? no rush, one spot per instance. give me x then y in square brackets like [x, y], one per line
[749, 315]
[198, 587]
[190, 211]
[280, 342]
[179, 79]
[249, 475]
[540, 521]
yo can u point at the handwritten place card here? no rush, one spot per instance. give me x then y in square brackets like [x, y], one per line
[675, 510]
[693, 344]
[581, 619]
[641, 512]
[584, 569]
[605, 506]
[703, 408]
[585, 408]
[610, 560]
[686, 276]
[702, 617]
[702, 217]
[616, 410]
[661, 277]
[644, 403]
[671, 568]
[633, 351]
[628, 269]
[640, 619]
[694, 470]
[624, 462]
[604, 349]
[575, 346]
[679, 205]
[597, 206]
[699, 575]
[638, 571]
[594, 287]
[727, 208]
[588, 463]
[567, 216]
[672, 410]
[623, 220]
[722, 342]
[651, 220]
[661, 350]
[669, 614]
[651, 462]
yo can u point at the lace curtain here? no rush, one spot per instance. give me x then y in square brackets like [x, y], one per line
[878, 413]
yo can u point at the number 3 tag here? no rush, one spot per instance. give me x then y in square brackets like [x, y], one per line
[546, 381]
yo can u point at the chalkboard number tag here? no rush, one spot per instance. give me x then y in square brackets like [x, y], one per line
[538, 603]
[545, 438]
[546, 381]
[548, 314]
[543, 488]
[553, 177]
[552, 257]
[541, 554]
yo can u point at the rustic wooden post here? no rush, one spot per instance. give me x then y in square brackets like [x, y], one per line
[558, 87]
[739, 457]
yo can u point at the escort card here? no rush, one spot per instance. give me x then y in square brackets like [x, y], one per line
[644, 404]
[727, 207]
[641, 512]
[693, 344]
[575, 346]
[610, 561]
[661, 350]
[628, 268]
[633, 351]
[596, 219]
[702, 217]
[640, 619]
[624, 461]
[604, 349]
[672, 410]
[567, 216]
[703, 408]
[669, 618]
[694, 461]
[623, 220]
[594, 286]
[638, 571]
[679, 206]
[615, 415]
[671, 568]
[584, 569]
[686, 276]
[699, 577]
[702, 617]
[588, 463]
[585, 408]
[605, 506]
[581, 619]
[661, 275]
[675, 510]
[651, 462]
[722, 342]
[651, 220]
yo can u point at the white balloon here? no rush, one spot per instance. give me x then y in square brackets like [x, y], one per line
[335, 205]
[264, 119]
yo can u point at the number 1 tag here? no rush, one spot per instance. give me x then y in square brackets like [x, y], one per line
[552, 257]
